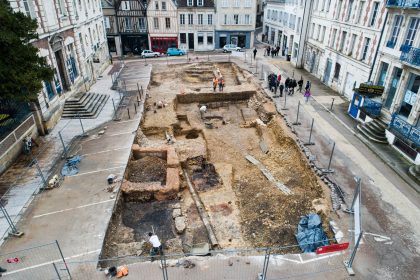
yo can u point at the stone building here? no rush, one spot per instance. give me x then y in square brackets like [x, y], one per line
[235, 23]
[398, 70]
[285, 25]
[163, 25]
[73, 41]
[343, 40]
[126, 26]
[196, 24]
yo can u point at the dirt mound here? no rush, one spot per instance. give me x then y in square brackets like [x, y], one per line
[147, 169]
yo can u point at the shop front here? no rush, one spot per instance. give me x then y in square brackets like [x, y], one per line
[366, 103]
[241, 39]
[161, 44]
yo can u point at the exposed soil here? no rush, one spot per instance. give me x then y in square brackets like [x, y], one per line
[203, 173]
[147, 169]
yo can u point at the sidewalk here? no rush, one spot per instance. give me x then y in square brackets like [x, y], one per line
[23, 181]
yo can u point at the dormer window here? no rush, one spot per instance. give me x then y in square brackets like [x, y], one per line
[200, 2]
[190, 2]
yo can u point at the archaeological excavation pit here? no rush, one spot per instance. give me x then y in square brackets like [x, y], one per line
[207, 182]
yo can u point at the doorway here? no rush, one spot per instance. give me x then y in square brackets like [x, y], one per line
[61, 70]
[327, 72]
[222, 41]
[234, 40]
[191, 41]
[242, 41]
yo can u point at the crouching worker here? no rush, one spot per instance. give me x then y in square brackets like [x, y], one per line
[157, 246]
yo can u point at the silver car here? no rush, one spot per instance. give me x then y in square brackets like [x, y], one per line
[148, 53]
[231, 48]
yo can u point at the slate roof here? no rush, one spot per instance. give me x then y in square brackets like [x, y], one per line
[206, 4]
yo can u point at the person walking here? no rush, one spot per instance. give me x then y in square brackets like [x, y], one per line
[276, 86]
[281, 89]
[214, 84]
[287, 86]
[307, 95]
[277, 50]
[255, 52]
[300, 84]
[157, 246]
[279, 77]
[273, 50]
[308, 85]
[293, 85]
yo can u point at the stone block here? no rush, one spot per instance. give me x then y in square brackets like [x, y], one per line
[172, 160]
[180, 224]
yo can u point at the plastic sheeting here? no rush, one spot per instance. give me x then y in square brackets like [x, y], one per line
[70, 167]
[310, 233]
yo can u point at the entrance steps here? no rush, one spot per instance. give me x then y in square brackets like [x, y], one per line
[374, 130]
[84, 105]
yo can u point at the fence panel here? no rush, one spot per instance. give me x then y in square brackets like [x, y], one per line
[34, 263]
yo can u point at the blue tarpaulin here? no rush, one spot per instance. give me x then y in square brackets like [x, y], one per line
[70, 167]
[310, 233]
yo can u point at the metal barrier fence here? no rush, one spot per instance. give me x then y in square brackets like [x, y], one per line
[39, 262]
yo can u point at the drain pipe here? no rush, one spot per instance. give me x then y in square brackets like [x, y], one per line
[201, 210]
[379, 45]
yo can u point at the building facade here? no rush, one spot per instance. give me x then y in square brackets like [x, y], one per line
[72, 40]
[343, 40]
[398, 70]
[235, 23]
[285, 25]
[196, 24]
[126, 26]
[163, 25]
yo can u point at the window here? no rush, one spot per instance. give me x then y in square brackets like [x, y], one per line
[343, 41]
[225, 4]
[209, 39]
[340, 3]
[142, 23]
[225, 19]
[155, 23]
[395, 79]
[316, 5]
[210, 19]
[374, 13]
[182, 19]
[412, 30]
[360, 11]
[156, 5]
[200, 19]
[247, 19]
[183, 38]
[410, 96]
[395, 31]
[382, 74]
[365, 49]
[200, 2]
[62, 8]
[125, 5]
[318, 35]
[82, 45]
[190, 19]
[313, 30]
[352, 44]
[236, 3]
[163, 5]
[200, 38]
[127, 22]
[190, 3]
[324, 29]
[298, 25]
[328, 5]
[168, 23]
[29, 9]
[349, 10]
[248, 4]
[235, 19]
[334, 34]
[323, 5]
[337, 70]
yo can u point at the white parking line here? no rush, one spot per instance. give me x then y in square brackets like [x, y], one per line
[96, 171]
[69, 209]
[106, 151]
[50, 262]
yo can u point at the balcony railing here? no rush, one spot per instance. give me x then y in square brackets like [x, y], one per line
[390, 44]
[407, 4]
[410, 55]
[405, 130]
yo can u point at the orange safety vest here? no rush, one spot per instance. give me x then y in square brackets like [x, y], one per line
[123, 271]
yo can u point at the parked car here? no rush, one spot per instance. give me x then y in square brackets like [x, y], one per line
[175, 51]
[231, 48]
[148, 53]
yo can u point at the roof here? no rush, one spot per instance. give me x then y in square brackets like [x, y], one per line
[206, 4]
[107, 4]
